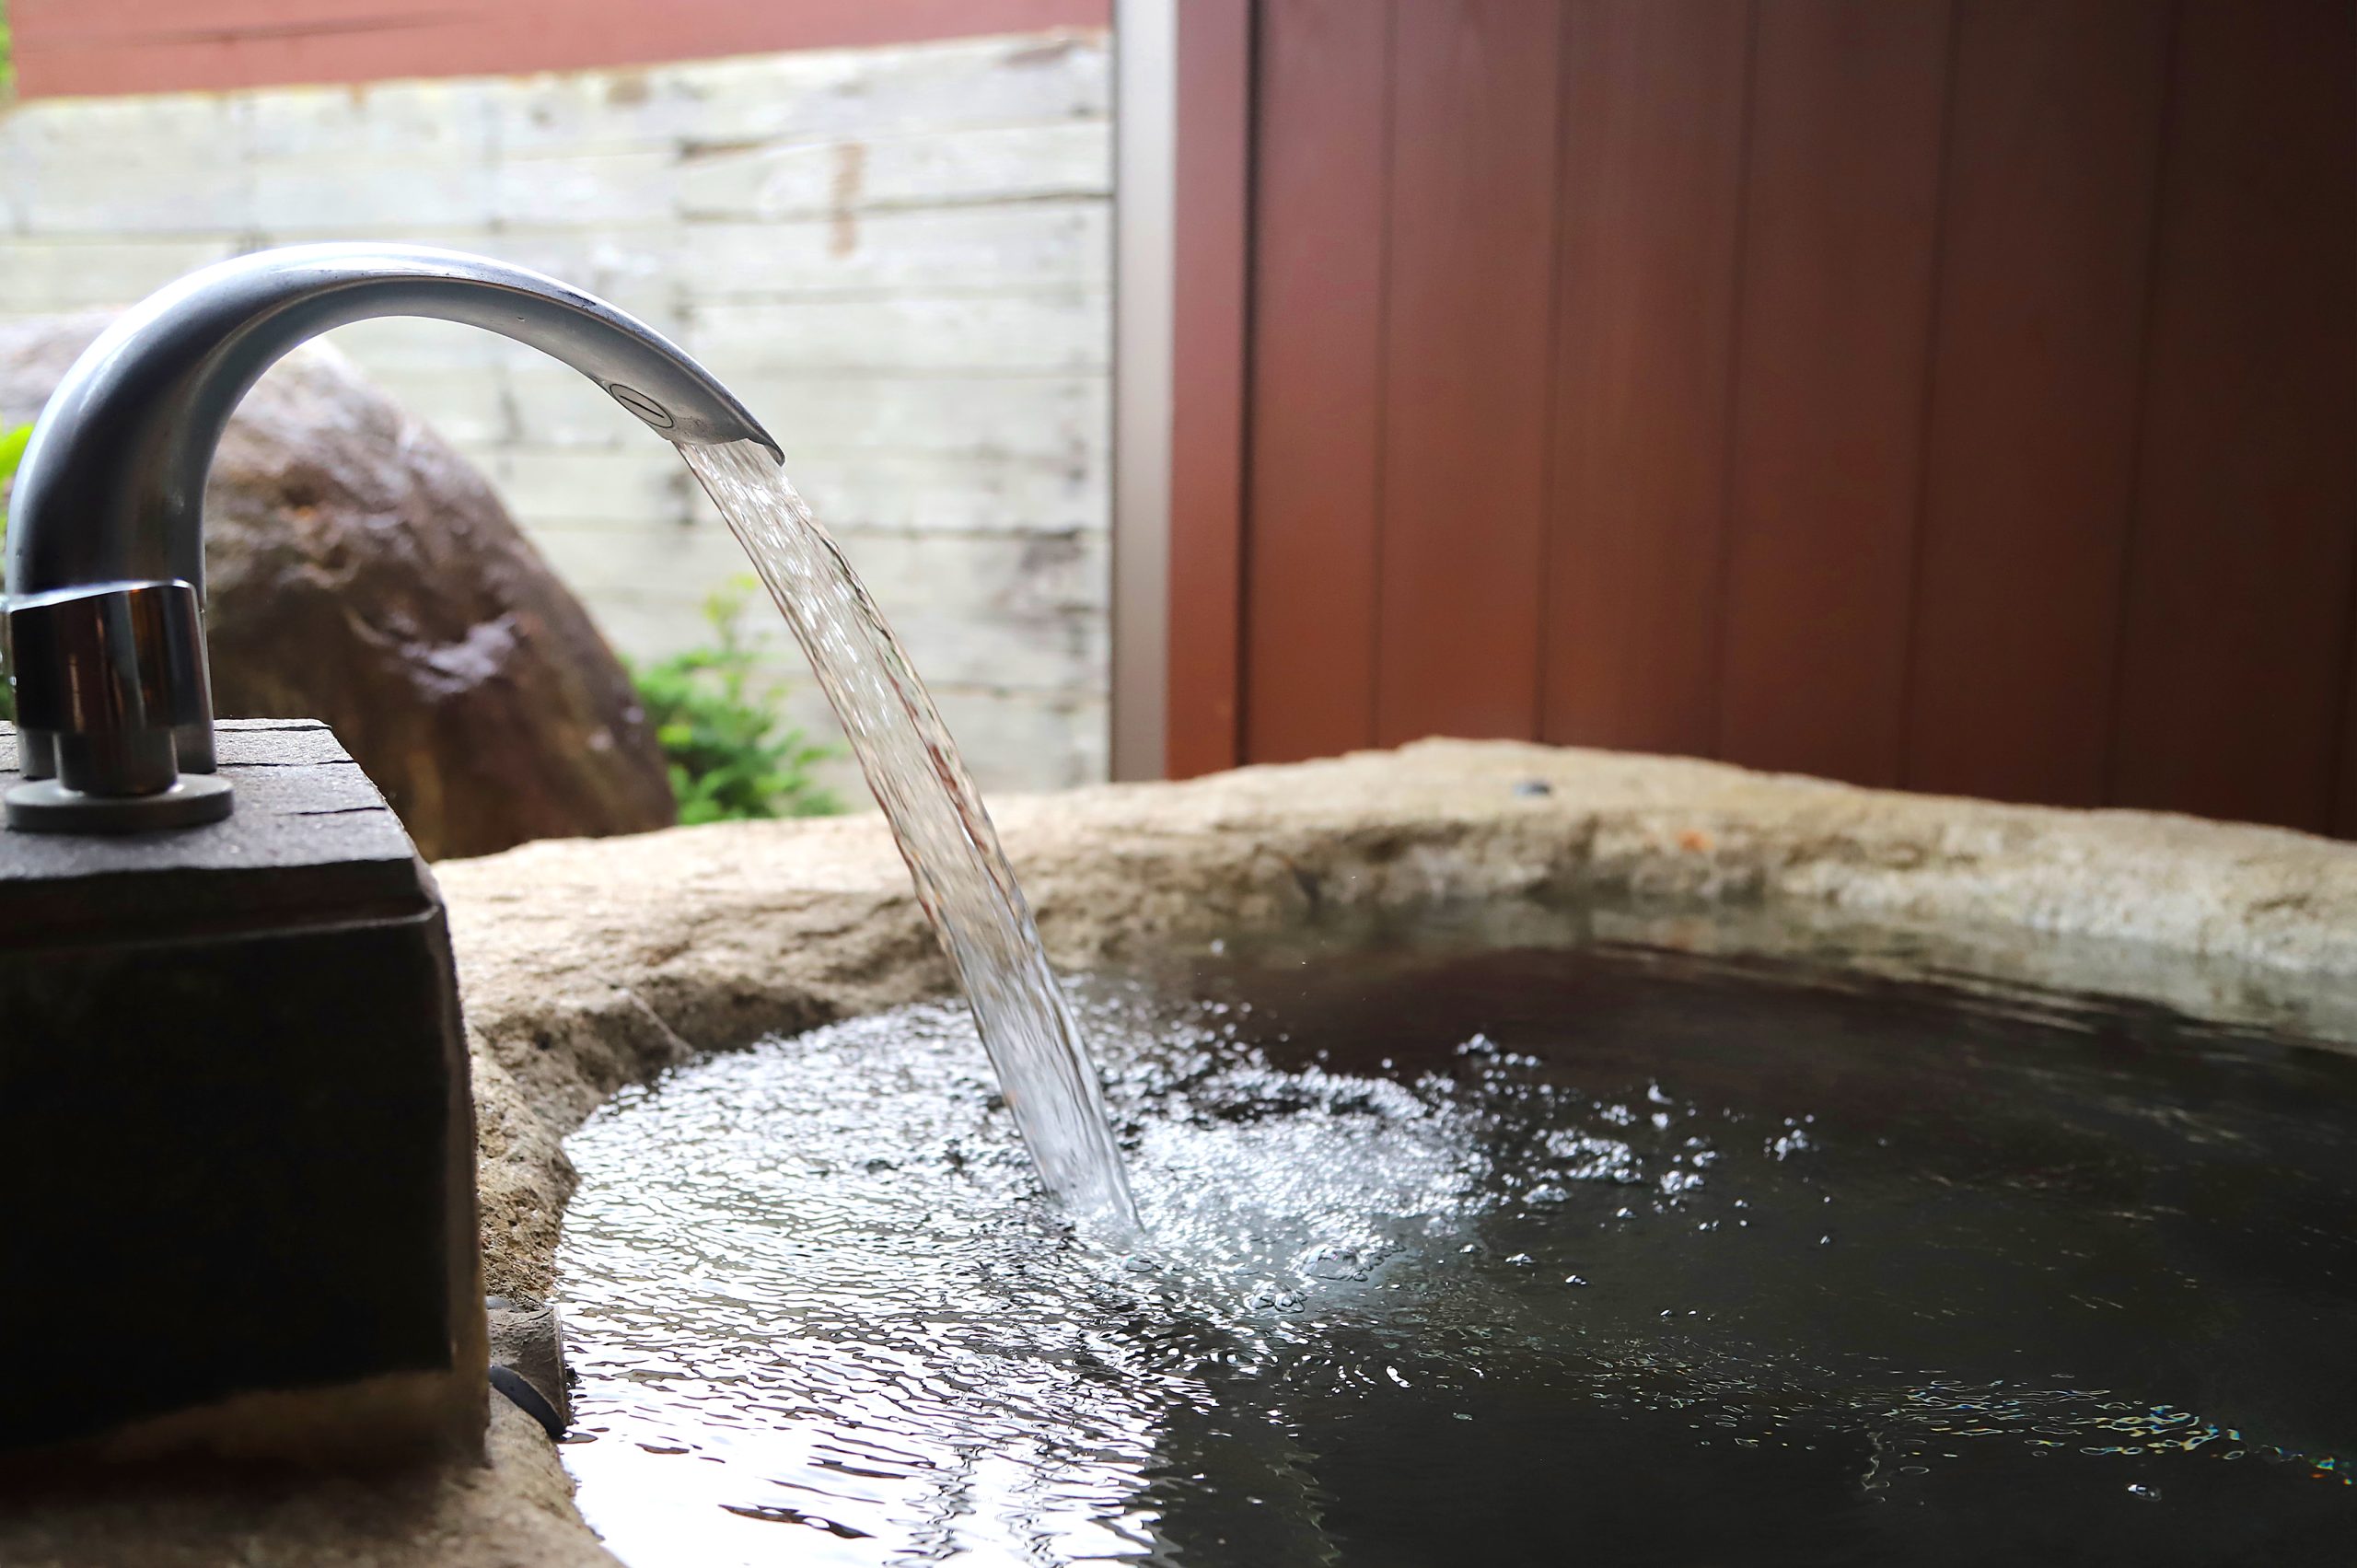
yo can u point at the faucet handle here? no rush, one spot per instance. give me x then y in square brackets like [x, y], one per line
[113, 700]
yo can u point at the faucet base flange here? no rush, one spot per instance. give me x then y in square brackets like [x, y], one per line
[47, 806]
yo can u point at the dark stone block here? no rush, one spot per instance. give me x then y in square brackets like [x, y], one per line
[235, 1138]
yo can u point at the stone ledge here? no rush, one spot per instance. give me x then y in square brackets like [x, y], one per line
[586, 965]
[308, 832]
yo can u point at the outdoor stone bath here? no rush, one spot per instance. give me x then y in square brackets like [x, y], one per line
[588, 966]
[417, 1148]
[1774, 1160]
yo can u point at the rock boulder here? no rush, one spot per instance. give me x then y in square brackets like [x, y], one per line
[361, 572]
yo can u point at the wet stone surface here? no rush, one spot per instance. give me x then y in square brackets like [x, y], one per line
[1492, 1256]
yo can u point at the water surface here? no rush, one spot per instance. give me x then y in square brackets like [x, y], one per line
[1493, 1256]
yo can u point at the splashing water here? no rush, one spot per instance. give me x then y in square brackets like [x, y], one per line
[1485, 1258]
[963, 879]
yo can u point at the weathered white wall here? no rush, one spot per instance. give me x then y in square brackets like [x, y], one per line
[896, 257]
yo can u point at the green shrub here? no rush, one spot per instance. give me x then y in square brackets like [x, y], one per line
[12, 452]
[732, 754]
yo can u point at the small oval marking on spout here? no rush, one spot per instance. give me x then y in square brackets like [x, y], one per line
[639, 403]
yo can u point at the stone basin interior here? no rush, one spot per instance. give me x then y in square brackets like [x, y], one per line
[2109, 1053]
[1477, 1243]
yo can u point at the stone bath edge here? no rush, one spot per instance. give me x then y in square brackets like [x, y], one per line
[588, 964]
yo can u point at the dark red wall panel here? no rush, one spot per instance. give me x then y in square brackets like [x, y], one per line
[2234, 658]
[2037, 364]
[1202, 729]
[1467, 365]
[1651, 190]
[1832, 347]
[1960, 396]
[1322, 197]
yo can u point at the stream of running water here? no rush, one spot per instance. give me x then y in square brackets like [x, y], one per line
[962, 879]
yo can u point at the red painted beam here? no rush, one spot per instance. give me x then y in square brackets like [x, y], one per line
[82, 48]
[1201, 725]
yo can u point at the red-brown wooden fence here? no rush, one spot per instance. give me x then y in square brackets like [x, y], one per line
[1960, 396]
[95, 47]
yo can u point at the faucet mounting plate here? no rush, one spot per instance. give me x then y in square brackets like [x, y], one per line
[47, 806]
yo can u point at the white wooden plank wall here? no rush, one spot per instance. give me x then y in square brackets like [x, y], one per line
[898, 258]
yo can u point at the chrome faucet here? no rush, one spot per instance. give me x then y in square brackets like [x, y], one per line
[106, 549]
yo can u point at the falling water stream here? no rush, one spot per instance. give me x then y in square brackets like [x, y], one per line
[962, 879]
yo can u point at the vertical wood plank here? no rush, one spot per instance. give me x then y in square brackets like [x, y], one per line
[1466, 367]
[2054, 157]
[1212, 203]
[1833, 317]
[1651, 195]
[1312, 499]
[2236, 652]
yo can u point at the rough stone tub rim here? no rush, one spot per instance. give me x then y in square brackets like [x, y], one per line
[585, 965]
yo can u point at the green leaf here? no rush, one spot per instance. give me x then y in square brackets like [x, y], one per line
[12, 450]
[731, 753]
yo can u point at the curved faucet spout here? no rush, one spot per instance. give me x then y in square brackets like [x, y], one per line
[112, 485]
[110, 500]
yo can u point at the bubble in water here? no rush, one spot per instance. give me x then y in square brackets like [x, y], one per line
[924, 1355]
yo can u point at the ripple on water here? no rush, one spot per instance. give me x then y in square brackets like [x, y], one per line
[811, 1288]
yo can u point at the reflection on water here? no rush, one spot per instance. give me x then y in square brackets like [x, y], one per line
[1489, 1257]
